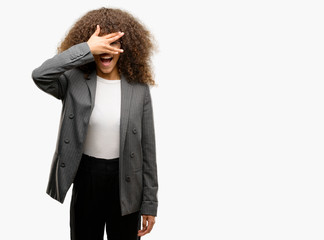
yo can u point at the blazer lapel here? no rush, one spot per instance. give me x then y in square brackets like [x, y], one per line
[126, 96]
[92, 85]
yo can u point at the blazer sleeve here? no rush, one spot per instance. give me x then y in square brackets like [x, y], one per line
[150, 178]
[50, 77]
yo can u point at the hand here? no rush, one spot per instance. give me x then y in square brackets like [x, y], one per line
[146, 229]
[99, 45]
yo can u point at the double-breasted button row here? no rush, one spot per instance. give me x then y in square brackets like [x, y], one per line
[128, 177]
[71, 115]
[134, 130]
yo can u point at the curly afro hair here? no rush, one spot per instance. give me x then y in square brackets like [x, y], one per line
[138, 43]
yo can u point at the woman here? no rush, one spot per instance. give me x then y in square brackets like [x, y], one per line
[106, 141]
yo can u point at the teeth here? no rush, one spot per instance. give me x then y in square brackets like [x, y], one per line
[106, 57]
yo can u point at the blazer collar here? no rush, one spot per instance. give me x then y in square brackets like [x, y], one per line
[126, 96]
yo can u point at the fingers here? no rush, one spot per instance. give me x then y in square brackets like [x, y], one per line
[110, 38]
[110, 47]
[114, 36]
[149, 227]
[96, 33]
[113, 49]
[102, 44]
[144, 223]
[146, 228]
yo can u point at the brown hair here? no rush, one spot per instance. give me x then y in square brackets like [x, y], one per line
[138, 43]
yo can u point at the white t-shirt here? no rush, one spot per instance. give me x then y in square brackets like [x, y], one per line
[103, 133]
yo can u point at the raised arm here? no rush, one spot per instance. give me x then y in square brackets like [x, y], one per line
[50, 77]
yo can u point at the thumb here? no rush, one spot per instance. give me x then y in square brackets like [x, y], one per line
[96, 33]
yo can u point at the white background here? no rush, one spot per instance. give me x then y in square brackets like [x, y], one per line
[238, 117]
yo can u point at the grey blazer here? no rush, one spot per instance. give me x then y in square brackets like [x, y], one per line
[138, 182]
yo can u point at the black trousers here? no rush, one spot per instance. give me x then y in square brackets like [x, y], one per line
[95, 204]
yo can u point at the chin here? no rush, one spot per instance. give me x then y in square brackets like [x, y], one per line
[106, 70]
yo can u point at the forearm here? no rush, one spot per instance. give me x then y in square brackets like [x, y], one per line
[49, 76]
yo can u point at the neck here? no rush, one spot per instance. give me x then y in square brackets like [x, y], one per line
[109, 76]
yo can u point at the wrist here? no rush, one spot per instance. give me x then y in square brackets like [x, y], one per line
[90, 46]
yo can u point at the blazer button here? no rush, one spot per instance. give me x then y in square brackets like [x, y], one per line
[132, 154]
[66, 140]
[71, 115]
[62, 164]
[134, 130]
[128, 179]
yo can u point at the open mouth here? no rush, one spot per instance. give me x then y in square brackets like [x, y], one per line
[106, 60]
